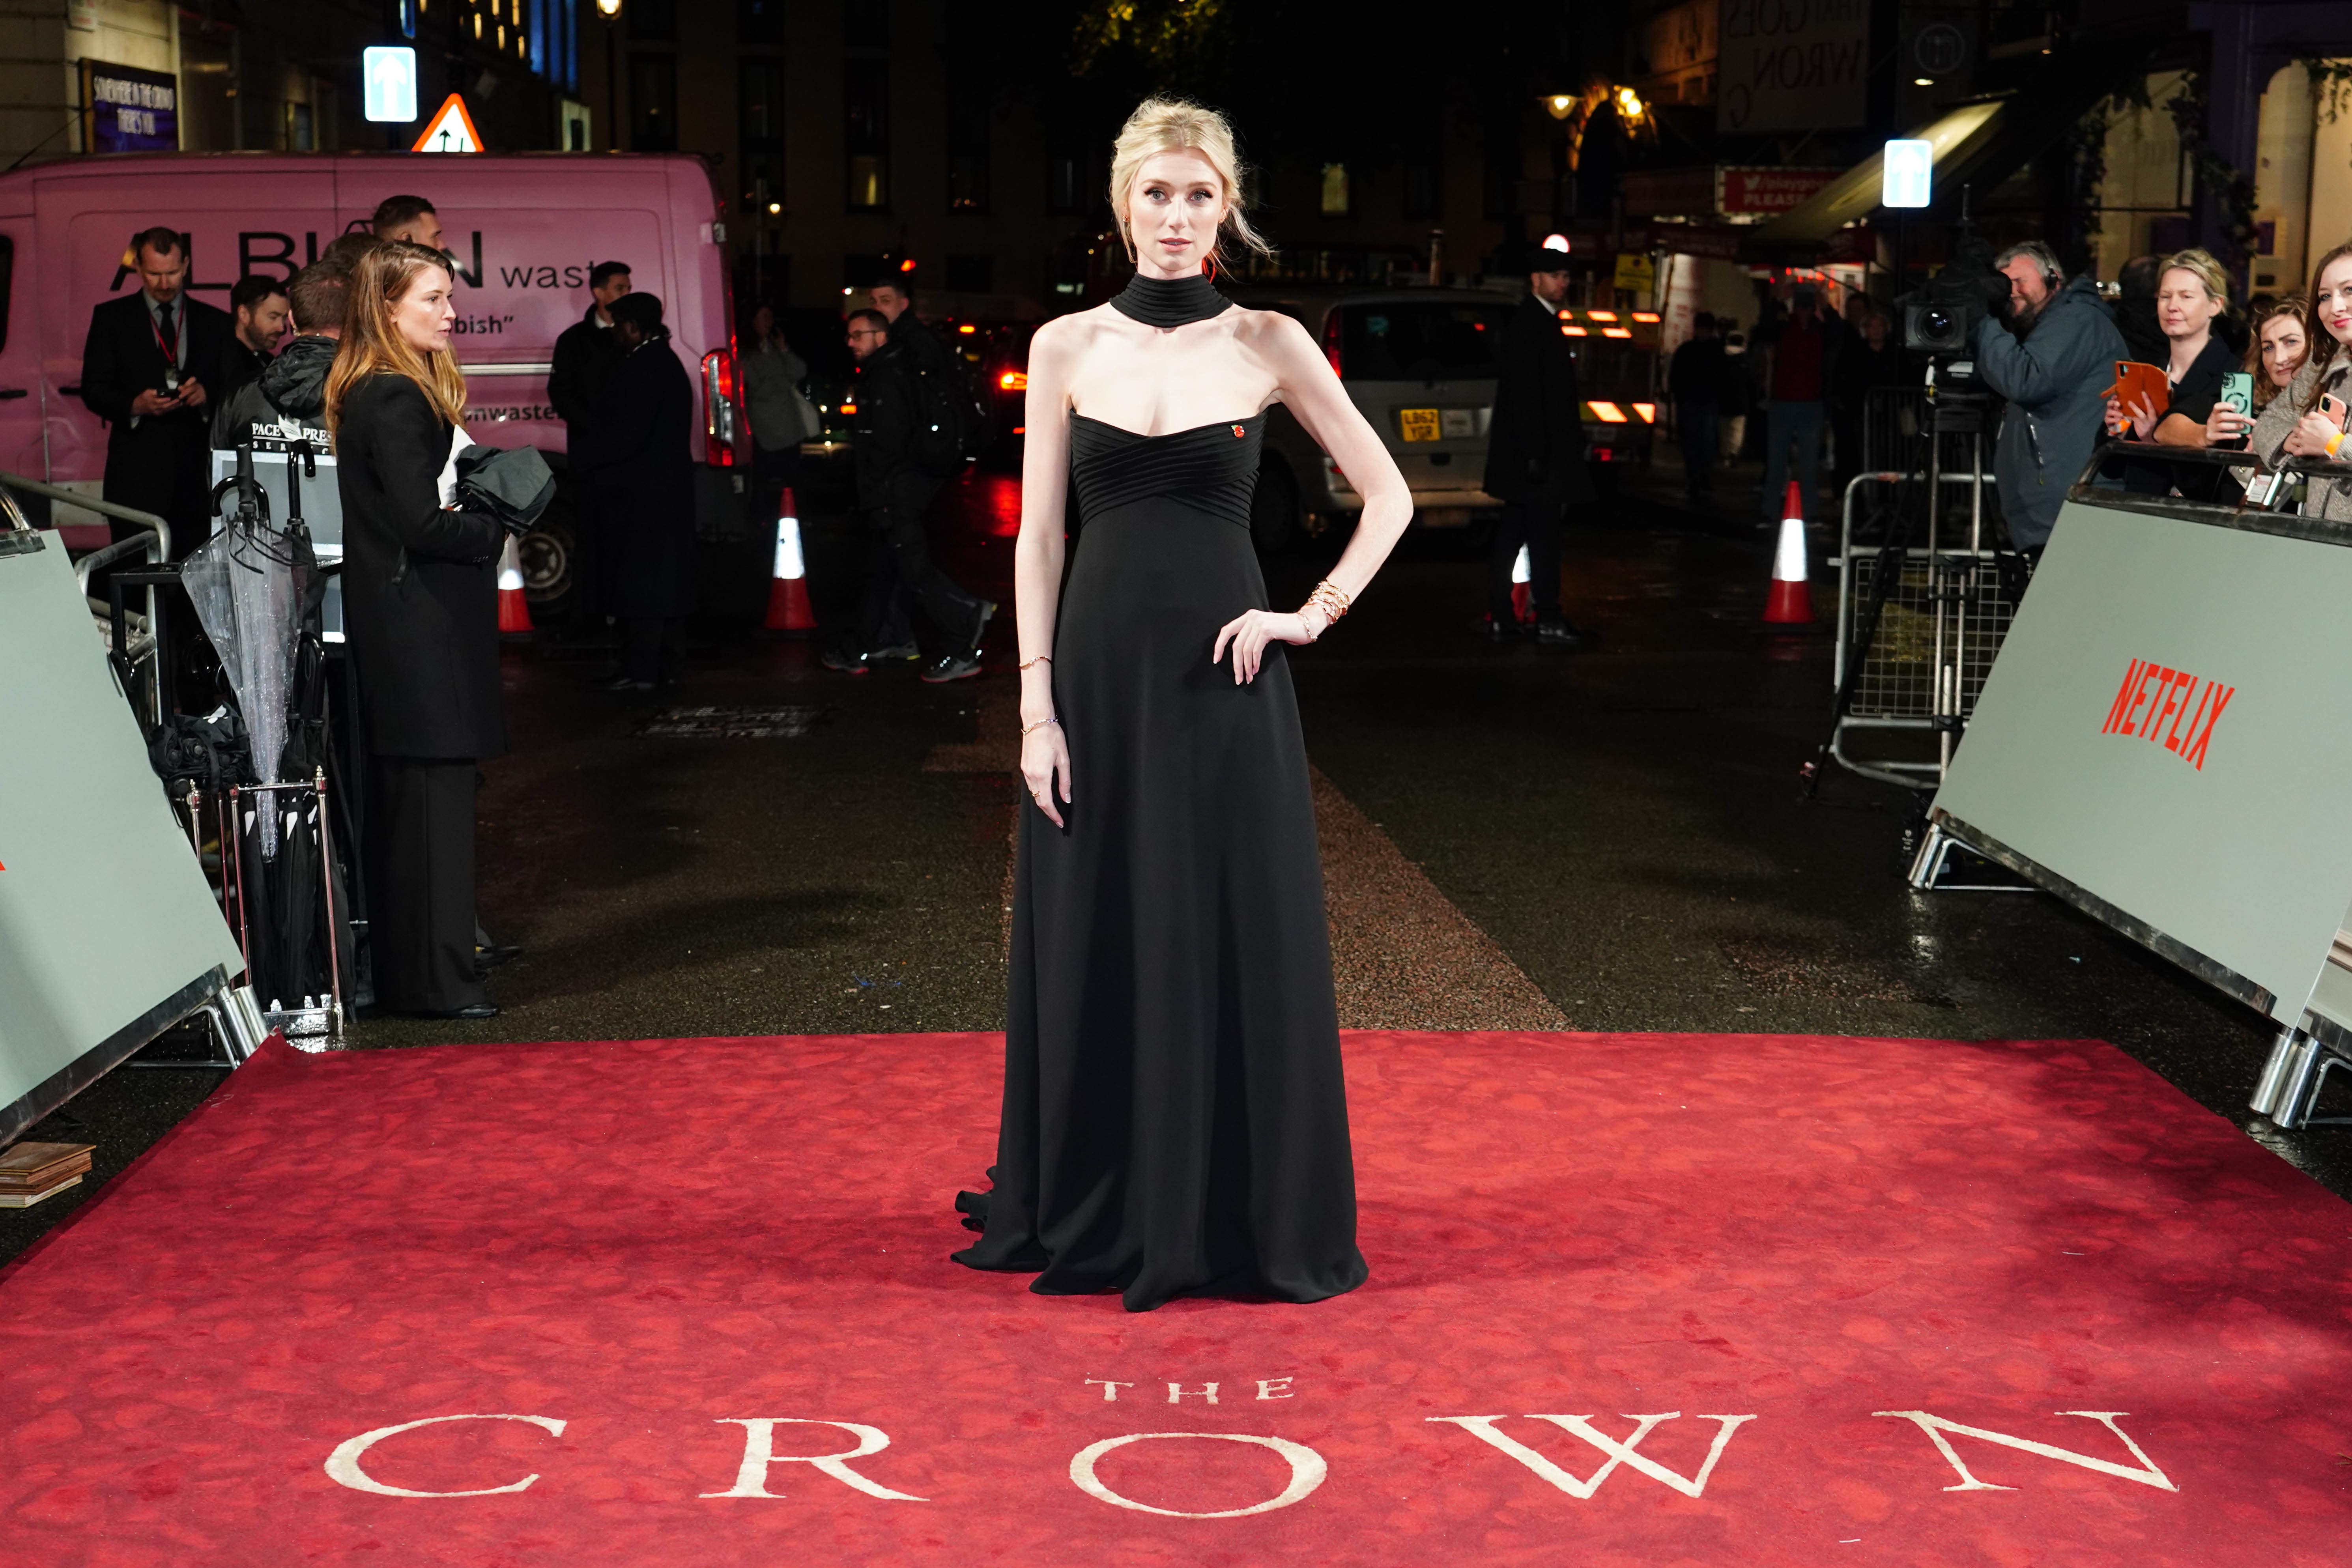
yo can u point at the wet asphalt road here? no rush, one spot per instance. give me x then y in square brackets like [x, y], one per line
[1625, 822]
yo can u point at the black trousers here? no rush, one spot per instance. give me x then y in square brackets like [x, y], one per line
[1535, 522]
[421, 926]
[901, 567]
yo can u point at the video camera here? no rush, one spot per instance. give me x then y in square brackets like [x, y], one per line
[1941, 318]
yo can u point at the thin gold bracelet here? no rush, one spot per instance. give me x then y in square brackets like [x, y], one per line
[1041, 658]
[1028, 730]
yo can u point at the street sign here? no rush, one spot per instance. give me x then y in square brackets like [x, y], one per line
[388, 84]
[451, 130]
[1907, 173]
[1635, 274]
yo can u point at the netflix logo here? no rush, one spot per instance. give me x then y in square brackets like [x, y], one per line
[2168, 706]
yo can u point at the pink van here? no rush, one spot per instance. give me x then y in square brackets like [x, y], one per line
[524, 230]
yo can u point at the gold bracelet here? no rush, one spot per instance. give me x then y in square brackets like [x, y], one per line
[1331, 600]
[1027, 730]
[1041, 658]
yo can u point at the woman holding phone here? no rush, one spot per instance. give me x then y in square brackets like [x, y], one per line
[2281, 342]
[2307, 420]
[2192, 295]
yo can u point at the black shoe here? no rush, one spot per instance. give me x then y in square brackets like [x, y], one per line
[847, 660]
[1501, 630]
[489, 958]
[907, 650]
[1555, 631]
[952, 667]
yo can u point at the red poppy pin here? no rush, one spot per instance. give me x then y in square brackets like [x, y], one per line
[1239, 431]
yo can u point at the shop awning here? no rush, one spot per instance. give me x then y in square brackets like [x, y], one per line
[1958, 137]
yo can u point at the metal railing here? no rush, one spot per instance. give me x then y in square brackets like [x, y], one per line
[155, 547]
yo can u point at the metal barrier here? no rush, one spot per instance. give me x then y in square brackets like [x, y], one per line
[155, 548]
[1920, 665]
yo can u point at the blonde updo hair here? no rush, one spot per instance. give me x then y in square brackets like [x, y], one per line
[2200, 265]
[1172, 125]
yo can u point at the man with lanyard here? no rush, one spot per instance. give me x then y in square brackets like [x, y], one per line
[148, 369]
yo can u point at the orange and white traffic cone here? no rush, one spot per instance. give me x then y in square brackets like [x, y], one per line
[1790, 603]
[788, 602]
[514, 608]
[1522, 588]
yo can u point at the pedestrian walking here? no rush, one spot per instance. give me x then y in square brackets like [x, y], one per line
[1535, 454]
[900, 465]
[1800, 345]
[641, 472]
[1693, 378]
[781, 415]
[149, 368]
[421, 613]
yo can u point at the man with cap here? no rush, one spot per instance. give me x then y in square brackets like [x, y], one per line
[1535, 453]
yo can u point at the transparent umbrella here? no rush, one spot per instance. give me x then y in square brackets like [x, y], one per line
[248, 582]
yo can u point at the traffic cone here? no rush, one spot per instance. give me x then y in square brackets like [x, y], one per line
[514, 609]
[1522, 595]
[1790, 603]
[788, 601]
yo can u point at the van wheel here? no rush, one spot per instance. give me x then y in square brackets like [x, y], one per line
[1274, 509]
[551, 567]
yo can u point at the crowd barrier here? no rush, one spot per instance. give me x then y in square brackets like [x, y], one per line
[2161, 741]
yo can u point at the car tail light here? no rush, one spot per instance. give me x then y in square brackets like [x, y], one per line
[1647, 412]
[721, 421]
[1648, 317]
[1014, 381]
[1574, 333]
[1600, 315]
[1331, 344]
[1615, 332]
[1603, 455]
[1607, 413]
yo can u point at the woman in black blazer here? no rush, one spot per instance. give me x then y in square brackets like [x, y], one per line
[420, 605]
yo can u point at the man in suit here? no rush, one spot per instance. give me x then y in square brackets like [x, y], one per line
[1535, 453]
[148, 369]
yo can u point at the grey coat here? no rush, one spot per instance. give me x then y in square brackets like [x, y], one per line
[2324, 498]
[2056, 379]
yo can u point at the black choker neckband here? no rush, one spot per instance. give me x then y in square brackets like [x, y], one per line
[1169, 301]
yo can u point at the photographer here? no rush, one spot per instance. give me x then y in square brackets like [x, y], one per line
[2053, 363]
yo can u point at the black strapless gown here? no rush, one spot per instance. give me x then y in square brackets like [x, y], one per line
[1175, 1123]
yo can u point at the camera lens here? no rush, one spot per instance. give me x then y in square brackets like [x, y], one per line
[1936, 319]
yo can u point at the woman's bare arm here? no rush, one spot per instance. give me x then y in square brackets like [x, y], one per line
[1305, 381]
[1037, 559]
[1312, 388]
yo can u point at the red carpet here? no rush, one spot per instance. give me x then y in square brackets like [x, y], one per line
[652, 1245]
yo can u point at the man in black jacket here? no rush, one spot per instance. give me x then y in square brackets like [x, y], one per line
[1535, 453]
[148, 369]
[895, 488]
[288, 401]
[641, 474]
[257, 310]
[585, 352]
[1692, 380]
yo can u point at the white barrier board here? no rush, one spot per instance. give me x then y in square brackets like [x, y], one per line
[106, 920]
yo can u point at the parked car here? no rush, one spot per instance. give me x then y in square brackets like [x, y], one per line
[1421, 363]
[522, 230]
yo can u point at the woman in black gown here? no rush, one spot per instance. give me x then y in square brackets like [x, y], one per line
[1175, 1121]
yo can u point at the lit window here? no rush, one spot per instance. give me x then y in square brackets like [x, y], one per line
[1601, 315]
[1574, 333]
[1648, 317]
[1335, 190]
[1615, 332]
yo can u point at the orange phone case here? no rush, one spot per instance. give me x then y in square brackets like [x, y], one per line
[2137, 383]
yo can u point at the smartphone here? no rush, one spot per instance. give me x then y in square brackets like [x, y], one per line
[2238, 392]
[2333, 406]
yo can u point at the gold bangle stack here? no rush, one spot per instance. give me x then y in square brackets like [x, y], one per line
[1329, 598]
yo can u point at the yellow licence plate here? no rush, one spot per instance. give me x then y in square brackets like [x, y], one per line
[1419, 424]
